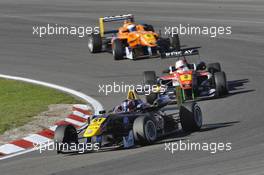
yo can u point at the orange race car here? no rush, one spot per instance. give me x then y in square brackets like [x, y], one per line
[131, 40]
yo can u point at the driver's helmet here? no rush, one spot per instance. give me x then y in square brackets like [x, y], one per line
[128, 105]
[131, 27]
[180, 65]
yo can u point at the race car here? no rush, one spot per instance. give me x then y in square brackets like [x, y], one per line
[195, 80]
[131, 40]
[131, 123]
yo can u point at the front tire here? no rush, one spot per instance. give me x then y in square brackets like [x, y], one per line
[220, 84]
[95, 43]
[150, 79]
[191, 117]
[118, 49]
[65, 134]
[144, 130]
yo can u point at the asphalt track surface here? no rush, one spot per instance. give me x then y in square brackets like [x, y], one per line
[63, 60]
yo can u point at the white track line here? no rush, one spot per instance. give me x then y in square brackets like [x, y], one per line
[97, 106]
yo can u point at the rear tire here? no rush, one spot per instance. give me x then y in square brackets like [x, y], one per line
[220, 84]
[191, 117]
[214, 67]
[175, 42]
[150, 79]
[118, 49]
[95, 43]
[144, 130]
[65, 134]
[148, 27]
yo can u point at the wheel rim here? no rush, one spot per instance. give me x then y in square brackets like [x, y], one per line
[90, 44]
[198, 116]
[150, 130]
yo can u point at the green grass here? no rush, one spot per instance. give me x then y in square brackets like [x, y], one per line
[20, 101]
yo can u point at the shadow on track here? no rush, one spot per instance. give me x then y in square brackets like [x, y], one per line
[175, 137]
[234, 87]
[213, 126]
[206, 127]
[237, 86]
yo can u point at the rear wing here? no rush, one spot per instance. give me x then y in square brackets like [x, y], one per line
[182, 52]
[105, 19]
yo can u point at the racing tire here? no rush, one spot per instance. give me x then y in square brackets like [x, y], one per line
[171, 123]
[150, 79]
[144, 130]
[214, 67]
[191, 117]
[175, 42]
[221, 87]
[95, 43]
[65, 134]
[148, 27]
[118, 49]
